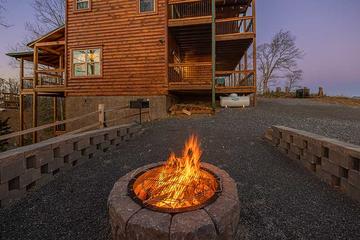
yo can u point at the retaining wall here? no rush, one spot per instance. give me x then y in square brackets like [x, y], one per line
[24, 169]
[336, 163]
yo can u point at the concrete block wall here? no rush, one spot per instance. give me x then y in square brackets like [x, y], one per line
[334, 162]
[27, 168]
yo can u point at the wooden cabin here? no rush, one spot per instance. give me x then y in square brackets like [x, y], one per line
[116, 50]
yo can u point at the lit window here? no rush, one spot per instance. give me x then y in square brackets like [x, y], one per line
[147, 6]
[82, 4]
[86, 62]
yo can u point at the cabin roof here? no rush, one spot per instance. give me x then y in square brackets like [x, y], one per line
[43, 57]
[53, 35]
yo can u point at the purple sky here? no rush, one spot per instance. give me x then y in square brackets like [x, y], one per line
[327, 30]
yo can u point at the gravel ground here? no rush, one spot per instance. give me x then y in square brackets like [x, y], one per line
[279, 200]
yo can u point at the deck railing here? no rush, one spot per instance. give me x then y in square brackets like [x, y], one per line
[242, 78]
[234, 25]
[179, 9]
[50, 77]
[9, 100]
[191, 73]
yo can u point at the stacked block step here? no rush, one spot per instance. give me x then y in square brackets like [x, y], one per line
[27, 168]
[335, 162]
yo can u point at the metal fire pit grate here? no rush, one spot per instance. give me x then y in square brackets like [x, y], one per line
[147, 204]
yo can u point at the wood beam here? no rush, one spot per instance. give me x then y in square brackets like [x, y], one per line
[46, 44]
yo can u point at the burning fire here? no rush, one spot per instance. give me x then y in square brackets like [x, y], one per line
[179, 183]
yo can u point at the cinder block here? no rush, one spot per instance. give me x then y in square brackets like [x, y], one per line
[42, 153]
[294, 156]
[330, 167]
[58, 163]
[314, 148]
[76, 155]
[352, 191]
[110, 135]
[4, 191]
[82, 143]
[97, 139]
[30, 176]
[340, 158]
[310, 166]
[89, 150]
[299, 141]
[288, 137]
[354, 178]
[296, 150]
[62, 149]
[285, 145]
[329, 178]
[275, 141]
[121, 132]
[11, 167]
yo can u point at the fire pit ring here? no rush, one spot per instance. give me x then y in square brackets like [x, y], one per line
[216, 219]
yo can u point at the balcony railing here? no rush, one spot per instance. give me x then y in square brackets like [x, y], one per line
[180, 9]
[243, 78]
[234, 25]
[190, 73]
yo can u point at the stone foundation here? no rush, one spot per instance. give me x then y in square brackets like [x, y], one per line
[77, 106]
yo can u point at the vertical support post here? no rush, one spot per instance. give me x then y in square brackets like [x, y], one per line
[254, 50]
[21, 103]
[55, 107]
[101, 115]
[34, 112]
[213, 52]
[61, 66]
[21, 74]
[36, 76]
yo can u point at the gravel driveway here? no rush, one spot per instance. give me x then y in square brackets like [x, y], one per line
[279, 199]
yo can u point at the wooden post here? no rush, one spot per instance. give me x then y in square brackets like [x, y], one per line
[21, 103]
[254, 50]
[213, 52]
[55, 107]
[21, 74]
[36, 55]
[102, 115]
[34, 109]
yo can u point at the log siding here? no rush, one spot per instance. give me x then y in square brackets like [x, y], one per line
[133, 48]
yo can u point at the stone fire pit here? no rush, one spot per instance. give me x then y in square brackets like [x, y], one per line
[217, 219]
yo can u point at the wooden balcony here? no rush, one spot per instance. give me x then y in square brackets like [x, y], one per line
[189, 12]
[238, 81]
[47, 81]
[197, 76]
[190, 76]
[236, 28]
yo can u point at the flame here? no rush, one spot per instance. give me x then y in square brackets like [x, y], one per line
[180, 182]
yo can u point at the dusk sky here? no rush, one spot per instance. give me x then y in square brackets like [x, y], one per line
[327, 30]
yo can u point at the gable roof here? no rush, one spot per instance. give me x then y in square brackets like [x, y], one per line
[54, 35]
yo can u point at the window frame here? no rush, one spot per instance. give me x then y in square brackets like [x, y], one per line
[72, 68]
[82, 9]
[149, 12]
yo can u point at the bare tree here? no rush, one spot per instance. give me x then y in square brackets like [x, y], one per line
[2, 8]
[281, 54]
[293, 78]
[49, 14]
[9, 86]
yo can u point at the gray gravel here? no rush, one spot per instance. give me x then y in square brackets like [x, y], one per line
[279, 199]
